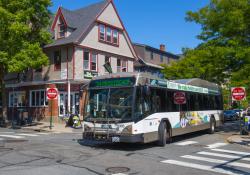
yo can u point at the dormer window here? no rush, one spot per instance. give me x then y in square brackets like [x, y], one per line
[109, 35]
[102, 33]
[61, 29]
[115, 36]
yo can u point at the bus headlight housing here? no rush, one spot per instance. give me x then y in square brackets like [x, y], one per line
[86, 128]
[127, 130]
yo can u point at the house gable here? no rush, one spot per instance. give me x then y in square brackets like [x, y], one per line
[109, 16]
[58, 16]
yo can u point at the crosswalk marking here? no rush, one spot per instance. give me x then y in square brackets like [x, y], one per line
[200, 167]
[232, 152]
[24, 134]
[7, 132]
[223, 155]
[186, 143]
[244, 165]
[12, 136]
[216, 145]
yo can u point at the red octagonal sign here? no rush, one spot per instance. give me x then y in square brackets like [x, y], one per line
[179, 98]
[238, 93]
[52, 93]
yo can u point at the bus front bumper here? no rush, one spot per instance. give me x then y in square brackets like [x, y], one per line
[114, 138]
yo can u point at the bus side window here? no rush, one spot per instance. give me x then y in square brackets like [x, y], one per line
[142, 106]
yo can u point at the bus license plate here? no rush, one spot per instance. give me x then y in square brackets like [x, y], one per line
[115, 139]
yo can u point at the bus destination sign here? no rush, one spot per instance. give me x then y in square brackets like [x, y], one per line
[114, 82]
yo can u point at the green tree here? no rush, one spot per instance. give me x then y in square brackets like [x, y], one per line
[224, 53]
[23, 32]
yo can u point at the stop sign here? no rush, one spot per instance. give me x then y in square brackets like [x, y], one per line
[52, 93]
[238, 93]
[179, 98]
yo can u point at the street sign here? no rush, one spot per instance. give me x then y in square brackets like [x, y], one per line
[180, 98]
[238, 93]
[52, 93]
[108, 67]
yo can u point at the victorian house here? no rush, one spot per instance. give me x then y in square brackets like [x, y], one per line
[83, 41]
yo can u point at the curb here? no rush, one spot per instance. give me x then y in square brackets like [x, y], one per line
[231, 140]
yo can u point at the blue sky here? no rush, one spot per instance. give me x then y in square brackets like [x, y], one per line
[152, 22]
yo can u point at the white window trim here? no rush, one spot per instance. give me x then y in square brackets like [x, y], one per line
[30, 98]
[12, 93]
[96, 57]
[126, 65]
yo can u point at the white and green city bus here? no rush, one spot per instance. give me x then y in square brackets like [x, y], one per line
[138, 107]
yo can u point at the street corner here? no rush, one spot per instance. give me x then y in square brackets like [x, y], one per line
[239, 139]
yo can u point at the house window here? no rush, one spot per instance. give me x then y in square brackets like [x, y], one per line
[161, 58]
[38, 98]
[94, 62]
[124, 66]
[119, 65]
[86, 60]
[151, 55]
[17, 99]
[115, 36]
[57, 60]
[102, 32]
[61, 29]
[108, 34]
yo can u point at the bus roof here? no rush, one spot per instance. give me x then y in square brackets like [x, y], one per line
[192, 85]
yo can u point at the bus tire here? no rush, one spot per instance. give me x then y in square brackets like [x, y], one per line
[162, 140]
[212, 126]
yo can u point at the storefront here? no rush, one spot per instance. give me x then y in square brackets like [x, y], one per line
[31, 100]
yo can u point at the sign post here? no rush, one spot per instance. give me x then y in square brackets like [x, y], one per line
[52, 94]
[238, 94]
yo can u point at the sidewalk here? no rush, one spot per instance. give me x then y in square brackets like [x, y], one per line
[240, 139]
[56, 128]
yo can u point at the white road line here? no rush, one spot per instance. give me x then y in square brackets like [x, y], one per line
[12, 136]
[186, 143]
[119, 174]
[244, 165]
[43, 133]
[200, 167]
[24, 134]
[223, 155]
[216, 145]
[232, 152]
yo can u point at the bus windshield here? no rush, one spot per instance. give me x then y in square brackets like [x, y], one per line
[110, 103]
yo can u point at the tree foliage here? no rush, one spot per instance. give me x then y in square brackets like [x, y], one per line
[23, 30]
[224, 53]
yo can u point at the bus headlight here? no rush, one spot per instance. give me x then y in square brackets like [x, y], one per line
[127, 130]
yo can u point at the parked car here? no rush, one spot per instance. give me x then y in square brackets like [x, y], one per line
[230, 115]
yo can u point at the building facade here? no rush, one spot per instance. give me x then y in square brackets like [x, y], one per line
[83, 41]
[151, 59]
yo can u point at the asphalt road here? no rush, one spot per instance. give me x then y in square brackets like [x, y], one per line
[25, 152]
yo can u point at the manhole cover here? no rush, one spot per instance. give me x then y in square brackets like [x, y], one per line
[117, 169]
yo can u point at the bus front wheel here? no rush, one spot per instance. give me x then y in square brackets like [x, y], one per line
[164, 134]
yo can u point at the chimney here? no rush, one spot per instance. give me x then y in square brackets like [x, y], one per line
[162, 47]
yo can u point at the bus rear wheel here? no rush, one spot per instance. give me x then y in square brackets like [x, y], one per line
[164, 134]
[211, 130]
